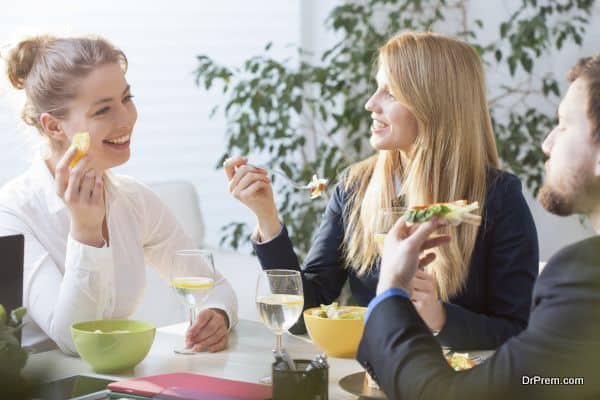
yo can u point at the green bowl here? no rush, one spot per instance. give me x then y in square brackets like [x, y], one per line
[113, 345]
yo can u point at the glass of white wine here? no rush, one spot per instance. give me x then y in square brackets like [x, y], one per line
[192, 277]
[384, 221]
[280, 301]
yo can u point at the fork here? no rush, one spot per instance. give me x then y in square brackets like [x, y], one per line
[282, 174]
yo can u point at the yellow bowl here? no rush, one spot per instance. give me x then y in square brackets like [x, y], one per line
[336, 337]
[113, 345]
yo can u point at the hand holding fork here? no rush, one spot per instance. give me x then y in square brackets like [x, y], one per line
[252, 187]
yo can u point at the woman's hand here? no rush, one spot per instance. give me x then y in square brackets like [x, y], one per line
[252, 187]
[210, 332]
[425, 298]
[82, 190]
[402, 253]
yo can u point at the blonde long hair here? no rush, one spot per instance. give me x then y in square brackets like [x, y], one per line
[441, 81]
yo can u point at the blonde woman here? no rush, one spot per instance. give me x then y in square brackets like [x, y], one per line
[89, 233]
[433, 135]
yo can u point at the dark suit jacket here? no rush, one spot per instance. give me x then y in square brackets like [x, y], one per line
[494, 304]
[561, 340]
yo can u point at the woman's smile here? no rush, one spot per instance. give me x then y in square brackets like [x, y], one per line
[118, 143]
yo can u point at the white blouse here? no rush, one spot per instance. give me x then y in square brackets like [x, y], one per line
[66, 281]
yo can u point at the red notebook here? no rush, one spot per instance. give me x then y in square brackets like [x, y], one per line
[186, 386]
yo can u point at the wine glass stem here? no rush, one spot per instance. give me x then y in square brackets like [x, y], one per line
[192, 314]
[278, 343]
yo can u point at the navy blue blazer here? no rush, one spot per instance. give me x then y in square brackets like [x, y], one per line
[494, 304]
[562, 341]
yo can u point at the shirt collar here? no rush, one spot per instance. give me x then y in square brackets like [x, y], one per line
[42, 174]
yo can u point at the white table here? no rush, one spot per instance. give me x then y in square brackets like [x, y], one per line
[247, 358]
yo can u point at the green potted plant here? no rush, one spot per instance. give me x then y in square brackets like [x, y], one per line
[12, 356]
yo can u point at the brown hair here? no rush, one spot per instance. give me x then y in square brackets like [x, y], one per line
[441, 81]
[588, 68]
[47, 68]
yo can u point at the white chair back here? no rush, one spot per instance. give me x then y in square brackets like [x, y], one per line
[182, 199]
[160, 304]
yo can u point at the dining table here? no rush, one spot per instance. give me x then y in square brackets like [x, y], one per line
[248, 357]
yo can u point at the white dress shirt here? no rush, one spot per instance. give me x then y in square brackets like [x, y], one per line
[66, 281]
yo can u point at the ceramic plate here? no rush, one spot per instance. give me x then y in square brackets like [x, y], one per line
[357, 385]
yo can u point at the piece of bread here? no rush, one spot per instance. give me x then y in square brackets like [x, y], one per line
[453, 213]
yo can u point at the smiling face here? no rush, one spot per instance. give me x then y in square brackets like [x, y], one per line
[572, 183]
[394, 127]
[103, 107]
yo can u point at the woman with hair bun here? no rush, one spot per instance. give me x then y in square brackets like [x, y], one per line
[89, 233]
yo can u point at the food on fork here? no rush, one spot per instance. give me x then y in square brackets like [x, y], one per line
[316, 186]
[452, 213]
[81, 141]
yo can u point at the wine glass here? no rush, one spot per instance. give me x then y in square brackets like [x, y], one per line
[279, 300]
[384, 221]
[192, 277]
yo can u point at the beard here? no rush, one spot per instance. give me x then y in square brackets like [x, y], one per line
[555, 202]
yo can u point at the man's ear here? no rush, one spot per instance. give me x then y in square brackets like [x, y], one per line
[52, 127]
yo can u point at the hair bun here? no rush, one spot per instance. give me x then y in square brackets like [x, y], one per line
[22, 58]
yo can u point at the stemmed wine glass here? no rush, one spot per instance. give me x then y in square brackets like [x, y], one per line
[192, 276]
[384, 221]
[279, 300]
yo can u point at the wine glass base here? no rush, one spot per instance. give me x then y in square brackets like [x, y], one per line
[185, 351]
